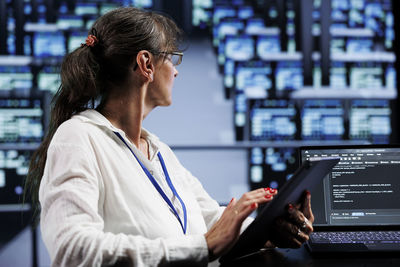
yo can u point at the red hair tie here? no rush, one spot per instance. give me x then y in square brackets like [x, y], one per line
[91, 40]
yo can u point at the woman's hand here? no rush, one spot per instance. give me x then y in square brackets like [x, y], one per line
[225, 232]
[295, 228]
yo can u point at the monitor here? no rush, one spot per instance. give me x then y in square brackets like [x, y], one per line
[266, 45]
[390, 77]
[201, 17]
[75, 39]
[370, 120]
[202, 13]
[63, 8]
[317, 74]
[240, 108]
[21, 121]
[356, 193]
[371, 22]
[367, 75]
[337, 45]
[245, 12]
[340, 10]
[49, 44]
[239, 48]
[85, 9]
[254, 78]
[11, 39]
[359, 45]
[106, 7]
[15, 78]
[41, 8]
[89, 22]
[356, 18]
[340, 5]
[14, 165]
[27, 9]
[66, 22]
[48, 79]
[226, 26]
[271, 167]
[255, 26]
[142, 3]
[289, 75]
[272, 120]
[223, 12]
[203, 3]
[322, 120]
[338, 75]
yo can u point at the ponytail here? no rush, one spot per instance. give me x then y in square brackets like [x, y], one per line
[78, 88]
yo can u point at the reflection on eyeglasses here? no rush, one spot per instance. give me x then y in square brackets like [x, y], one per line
[176, 57]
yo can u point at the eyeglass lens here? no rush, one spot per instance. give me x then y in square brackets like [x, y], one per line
[176, 59]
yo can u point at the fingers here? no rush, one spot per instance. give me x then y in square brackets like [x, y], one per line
[299, 219]
[224, 233]
[269, 244]
[307, 211]
[295, 227]
[250, 202]
[288, 234]
[261, 193]
[260, 196]
[247, 211]
[298, 235]
[238, 211]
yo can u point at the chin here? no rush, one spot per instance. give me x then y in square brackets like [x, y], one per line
[166, 103]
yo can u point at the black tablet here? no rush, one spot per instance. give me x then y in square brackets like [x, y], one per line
[256, 234]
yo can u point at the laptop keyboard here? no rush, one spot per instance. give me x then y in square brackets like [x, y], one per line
[356, 237]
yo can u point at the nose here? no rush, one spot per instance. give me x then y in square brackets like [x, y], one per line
[176, 73]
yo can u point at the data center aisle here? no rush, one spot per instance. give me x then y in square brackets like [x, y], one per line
[199, 115]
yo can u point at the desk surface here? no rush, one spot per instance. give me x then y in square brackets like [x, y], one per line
[301, 257]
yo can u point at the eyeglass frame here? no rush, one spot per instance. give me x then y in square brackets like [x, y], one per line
[180, 54]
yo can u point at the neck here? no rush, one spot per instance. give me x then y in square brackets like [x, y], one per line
[126, 111]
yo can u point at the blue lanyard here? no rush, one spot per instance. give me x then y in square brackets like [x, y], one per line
[159, 189]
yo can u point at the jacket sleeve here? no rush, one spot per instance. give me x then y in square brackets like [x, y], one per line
[72, 225]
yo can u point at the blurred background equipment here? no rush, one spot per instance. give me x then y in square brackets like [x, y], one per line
[259, 79]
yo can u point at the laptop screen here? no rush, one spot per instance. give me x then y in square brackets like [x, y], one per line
[363, 189]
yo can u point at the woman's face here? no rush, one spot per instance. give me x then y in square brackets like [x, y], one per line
[160, 90]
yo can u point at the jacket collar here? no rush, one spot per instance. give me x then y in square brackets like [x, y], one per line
[94, 117]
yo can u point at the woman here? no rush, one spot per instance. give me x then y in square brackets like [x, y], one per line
[110, 191]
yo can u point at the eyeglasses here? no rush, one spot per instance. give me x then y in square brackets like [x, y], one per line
[176, 57]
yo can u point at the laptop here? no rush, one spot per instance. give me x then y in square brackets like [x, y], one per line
[357, 205]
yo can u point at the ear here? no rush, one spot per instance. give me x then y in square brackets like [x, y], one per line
[145, 64]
